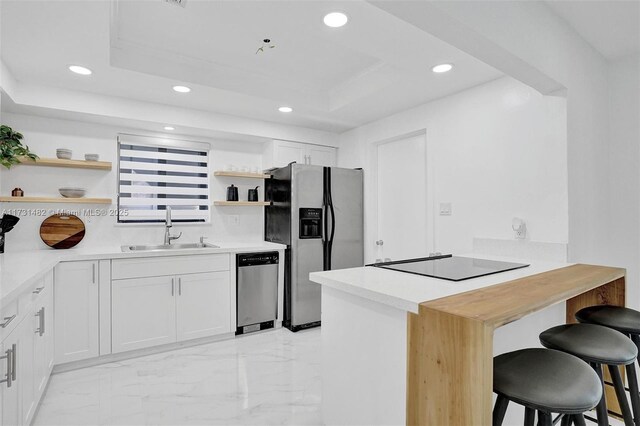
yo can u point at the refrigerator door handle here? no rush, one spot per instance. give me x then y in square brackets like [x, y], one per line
[323, 225]
[326, 190]
[333, 223]
[329, 202]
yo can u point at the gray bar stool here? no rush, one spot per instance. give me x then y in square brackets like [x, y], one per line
[545, 381]
[625, 320]
[598, 346]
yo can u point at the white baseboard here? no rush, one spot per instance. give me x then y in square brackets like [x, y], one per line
[105, 359]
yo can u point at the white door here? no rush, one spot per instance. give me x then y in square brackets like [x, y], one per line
[143, 313]
[203, 305]
[9, 395]
[402, 199]
[321, 155]
[288, 152]
[76, 312]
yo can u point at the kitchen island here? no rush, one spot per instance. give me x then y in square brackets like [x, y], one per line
[419, 350]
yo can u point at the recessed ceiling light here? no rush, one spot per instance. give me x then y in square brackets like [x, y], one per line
[79, 70]
[442, 68]
[169, 128]
[335, 19]
[285, 109]
[181, 89]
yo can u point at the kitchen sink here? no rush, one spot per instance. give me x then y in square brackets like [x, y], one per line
[163, 247]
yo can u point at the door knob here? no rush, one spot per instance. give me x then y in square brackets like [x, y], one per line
[379, 243]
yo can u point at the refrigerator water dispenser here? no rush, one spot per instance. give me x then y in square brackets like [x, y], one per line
[310, 223]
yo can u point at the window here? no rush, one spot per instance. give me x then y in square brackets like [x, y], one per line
[155, 173]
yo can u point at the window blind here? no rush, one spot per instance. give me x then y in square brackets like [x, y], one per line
[154, 174]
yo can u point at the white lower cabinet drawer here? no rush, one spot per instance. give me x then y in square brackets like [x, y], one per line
[164, 265]
[143, 313]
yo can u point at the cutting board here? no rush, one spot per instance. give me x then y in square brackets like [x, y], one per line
[62, 231]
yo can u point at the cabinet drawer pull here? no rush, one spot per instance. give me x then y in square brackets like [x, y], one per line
[13, 362]
[93, 272]
[173, 285]
[38, 290]
[7, 321]
[8, 375]
[40, 315]
[179, 286]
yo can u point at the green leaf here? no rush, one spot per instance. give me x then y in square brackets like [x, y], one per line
[11, 148]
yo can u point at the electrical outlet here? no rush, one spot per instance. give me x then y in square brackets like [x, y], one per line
[519, 228]
[445, 209]
[234, 219]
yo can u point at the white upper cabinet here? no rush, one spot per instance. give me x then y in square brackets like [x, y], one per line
[76, 311]
[321, 155]
[280, 153]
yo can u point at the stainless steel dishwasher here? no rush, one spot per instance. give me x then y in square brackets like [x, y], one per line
[256, 291]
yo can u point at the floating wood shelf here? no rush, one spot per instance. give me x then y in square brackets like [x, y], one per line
[241, 203]
[242, 175]
[76, 164]
[55, 200]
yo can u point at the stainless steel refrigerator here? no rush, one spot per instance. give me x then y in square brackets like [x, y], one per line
[318, 213]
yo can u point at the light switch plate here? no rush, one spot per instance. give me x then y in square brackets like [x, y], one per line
[445, 209]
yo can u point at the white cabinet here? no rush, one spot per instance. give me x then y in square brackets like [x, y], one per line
[44, 343]
[76, 311]
[25, 363]
[321, 155]
[143, 313]
[18, 390]
[26, 357]
[203, 305]
[280, 153]
[178, 305]
[9, 390]
[288, 152]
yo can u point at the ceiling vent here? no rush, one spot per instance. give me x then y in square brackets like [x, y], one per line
[180, 3]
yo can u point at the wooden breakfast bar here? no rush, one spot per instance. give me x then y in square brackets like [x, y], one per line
[450, 355]
[444, 346]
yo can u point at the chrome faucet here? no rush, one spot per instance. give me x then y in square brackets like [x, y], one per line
[167, 229]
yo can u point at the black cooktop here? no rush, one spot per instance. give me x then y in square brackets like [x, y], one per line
[449, 267]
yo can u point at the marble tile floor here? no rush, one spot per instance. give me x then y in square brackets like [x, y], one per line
[271, 378]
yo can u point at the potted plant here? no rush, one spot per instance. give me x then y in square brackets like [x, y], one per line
[11, 149]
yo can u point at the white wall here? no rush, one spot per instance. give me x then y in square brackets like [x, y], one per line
[497, 150]
[529, 42]
[624, 167]
[44, 135]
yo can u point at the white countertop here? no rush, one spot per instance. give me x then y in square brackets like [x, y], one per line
[406, 291]
[20, 269]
